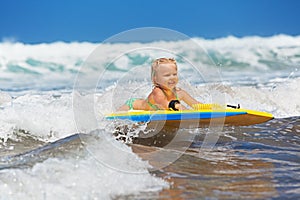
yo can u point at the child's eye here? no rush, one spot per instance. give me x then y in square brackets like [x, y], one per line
[167, 75]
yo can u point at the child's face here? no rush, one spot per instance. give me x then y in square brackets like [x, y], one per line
[166, 76]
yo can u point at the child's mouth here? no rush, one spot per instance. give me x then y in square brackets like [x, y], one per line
[171, 83]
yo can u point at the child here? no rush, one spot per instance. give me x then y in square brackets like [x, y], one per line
[165, 95]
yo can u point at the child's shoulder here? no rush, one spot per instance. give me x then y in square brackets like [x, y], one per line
[157, 91]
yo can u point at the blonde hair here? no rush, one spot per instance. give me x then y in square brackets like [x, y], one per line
[157, 62]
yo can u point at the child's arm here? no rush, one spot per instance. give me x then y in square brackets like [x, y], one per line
[186, 97]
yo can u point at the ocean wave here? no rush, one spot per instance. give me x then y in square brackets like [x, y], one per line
[84, 172]
[48, 116]
[231, 55]
[37, 81]
[38, 84]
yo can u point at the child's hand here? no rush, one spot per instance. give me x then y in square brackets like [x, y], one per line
[178, 106]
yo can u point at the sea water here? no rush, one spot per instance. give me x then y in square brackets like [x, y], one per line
[56, 143]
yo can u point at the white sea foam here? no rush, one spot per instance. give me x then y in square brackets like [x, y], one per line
[45, 116]
[50, 116]
[282, 100]
[84, 178]
[5, 98]
[61, 61]
[259, 73]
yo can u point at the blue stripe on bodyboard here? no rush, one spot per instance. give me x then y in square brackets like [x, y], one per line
[176, 116]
